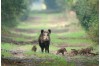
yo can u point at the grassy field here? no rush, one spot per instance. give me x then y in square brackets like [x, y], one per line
[65, 33]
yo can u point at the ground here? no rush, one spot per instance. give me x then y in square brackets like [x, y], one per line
[66, 32]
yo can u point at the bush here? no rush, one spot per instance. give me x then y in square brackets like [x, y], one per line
[93, 31]
[10, 11]
[87, 12]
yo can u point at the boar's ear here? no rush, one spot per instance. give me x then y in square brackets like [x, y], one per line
[42, 31]
[49, 30]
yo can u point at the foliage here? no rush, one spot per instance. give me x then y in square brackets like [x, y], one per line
[87, 11]
[93, 31]
[60, 5]
[10, 11]
[51, 4]
[65, 4]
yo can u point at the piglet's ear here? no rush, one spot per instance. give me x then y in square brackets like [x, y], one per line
[49, 30]
[42, 31]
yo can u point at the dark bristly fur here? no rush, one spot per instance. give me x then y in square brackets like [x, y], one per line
[85, 51]
[44, 40]
[61, 50]
[34, 48]
[74, 51]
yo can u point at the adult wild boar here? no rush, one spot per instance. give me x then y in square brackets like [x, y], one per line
[44, 40]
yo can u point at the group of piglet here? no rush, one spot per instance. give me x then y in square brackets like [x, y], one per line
[84, 51]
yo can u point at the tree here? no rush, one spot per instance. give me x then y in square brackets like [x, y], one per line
[10, 11]
[88, 13]
[51, 4]
[66, 4]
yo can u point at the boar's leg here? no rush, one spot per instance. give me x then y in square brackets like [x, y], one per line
[47, 49]
[42, 49]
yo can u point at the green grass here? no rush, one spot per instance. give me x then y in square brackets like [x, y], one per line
[53, 60]
[6, 54]
[71, 41]
[43, 21]
[27, 48]
[20, 39]
[78, 34]
[79, 41]
[70, 38]
[8, 46]
[27, 34]
[45, 15]
[56, 37]
[60, 38]
[33, 26]
[73, 34]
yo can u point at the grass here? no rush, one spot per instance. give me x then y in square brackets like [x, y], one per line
[27, 48]
[69, 41]
[26, 34]
[19, 39]
[8, 46]
[43, 21]
[6, 54]
[61, 38]
[73, 34]
[45, 15]
[79, 41]
[53, 60]
[33, 26]
[67, 38]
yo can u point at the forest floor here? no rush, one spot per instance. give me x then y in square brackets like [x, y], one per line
[66, 31]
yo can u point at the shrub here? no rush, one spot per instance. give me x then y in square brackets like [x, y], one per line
[87, 12]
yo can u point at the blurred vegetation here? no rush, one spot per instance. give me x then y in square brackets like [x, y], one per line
[51, 4]
[65, 4]
[60, 5]
[88, 14]
[86, 10]
[11, 10]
